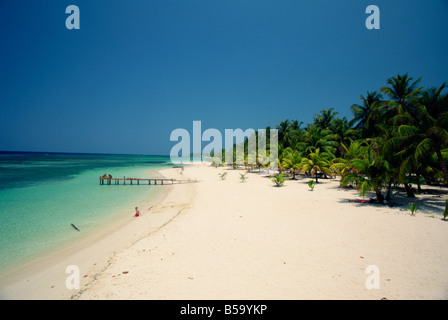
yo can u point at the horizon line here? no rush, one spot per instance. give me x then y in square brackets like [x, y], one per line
[86, 153]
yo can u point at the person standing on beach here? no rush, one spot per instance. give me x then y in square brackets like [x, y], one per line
[137, 212]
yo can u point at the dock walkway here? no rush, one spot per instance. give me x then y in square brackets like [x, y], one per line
[138, 181]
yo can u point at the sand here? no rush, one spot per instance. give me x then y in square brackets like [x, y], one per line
[225, 239]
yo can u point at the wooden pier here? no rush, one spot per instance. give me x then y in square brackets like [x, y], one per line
[145, 181]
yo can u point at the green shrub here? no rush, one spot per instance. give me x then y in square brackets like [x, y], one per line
[311, 184]
[279, 179]
[413, 207]
[222, 175]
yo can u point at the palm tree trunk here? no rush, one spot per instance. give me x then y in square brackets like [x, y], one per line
[442, 165]
[389, 187]
[316, 177]
[409, 191]
[419, 185]
[379, 196]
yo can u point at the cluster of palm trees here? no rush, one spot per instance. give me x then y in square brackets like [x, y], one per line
[398, 136]
[318, 147]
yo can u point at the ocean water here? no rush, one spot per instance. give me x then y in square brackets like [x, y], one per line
[42, 194]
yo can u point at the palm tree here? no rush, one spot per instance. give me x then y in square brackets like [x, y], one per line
[293, 134]
[403, 94]
[365, 114]
[295, 125]
[402, 106]
[238, 156]
[425, 132]
[356, 150]
[283, 128]
[435, 125]
[315, 137]
[368, 173]
[291, 160]
[263, 160]
[316, 162]
[343, 133]
[325, 118]
[383, 147]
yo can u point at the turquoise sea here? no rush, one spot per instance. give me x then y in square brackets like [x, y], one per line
[42, 194]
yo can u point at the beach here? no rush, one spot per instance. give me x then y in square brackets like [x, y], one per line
[102, 118]
[227, 239]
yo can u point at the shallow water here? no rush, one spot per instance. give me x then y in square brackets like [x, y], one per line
[41, 195]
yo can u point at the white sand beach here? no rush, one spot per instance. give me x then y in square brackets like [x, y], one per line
[225, 239]
[251, 240]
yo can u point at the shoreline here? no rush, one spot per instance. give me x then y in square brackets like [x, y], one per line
[44, 277]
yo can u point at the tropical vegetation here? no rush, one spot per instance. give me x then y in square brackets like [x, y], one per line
[279, 179]
[398, 136]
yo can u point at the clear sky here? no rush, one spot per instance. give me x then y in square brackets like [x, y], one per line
[138, 69]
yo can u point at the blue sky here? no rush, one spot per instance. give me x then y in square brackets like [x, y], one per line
[136, 70]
